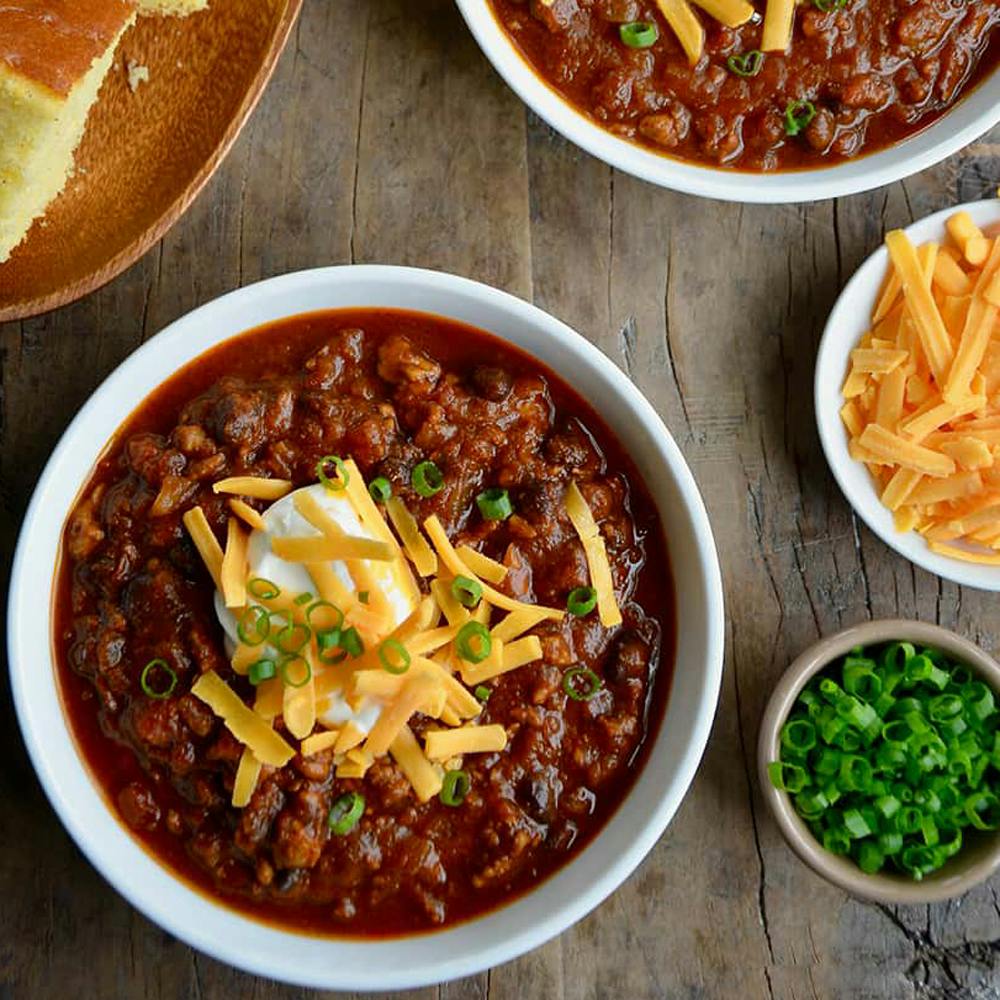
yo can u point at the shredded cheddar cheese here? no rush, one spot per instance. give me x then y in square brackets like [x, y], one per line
[254, 486]
[597, 556]
[922, 396]
[245, 724]
[205, 542]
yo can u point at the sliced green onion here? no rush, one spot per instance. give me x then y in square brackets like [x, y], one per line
[748, 64]
[581, 684]
[149, 683]
[324, 616]
[466, 591]
[346, 813]
[473, 642]
[263, 670]
[427, 479]
[494, 504]
[303, 598]
[856, 825]
[380, 489]
[581, 601]
[836, 840]
[828, 5]
[254, 626]
[638, 34]
[393, 656]
[363, 596]
[870, 857]
[798, 115]
[264, 589]
[334, 485]
[328, 644]
[454, 788]
[889, 754]
[350, 641]
[798, 735]
[295, 671]
[483, 693]
[788, 777]
[978, 699]
[293, 638]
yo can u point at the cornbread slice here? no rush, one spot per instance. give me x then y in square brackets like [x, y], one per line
[53, 56]
[175, 8]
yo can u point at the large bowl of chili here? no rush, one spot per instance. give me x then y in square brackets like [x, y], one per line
[865, 92]
[123, 808]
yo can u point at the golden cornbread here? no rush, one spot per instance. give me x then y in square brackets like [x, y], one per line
[176, 8]
[53, 56]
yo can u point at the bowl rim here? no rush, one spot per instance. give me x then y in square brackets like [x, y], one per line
[848, 320]
[878, 888]
[975, 113]
[224, 933]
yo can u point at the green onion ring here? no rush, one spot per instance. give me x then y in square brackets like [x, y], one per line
[581, 601]
[264, 589]
[473, 642]
[494, 504]
[346, 813]
[427, 479]
[638, 34]
[146, 677]
[380, 489]
[798, 115]
[454, 788]
[399, 662]
[748, 64]
[254, 626]
[591, 683]
[293, 638]
[334, 485]
[466, 591]
[288, 677]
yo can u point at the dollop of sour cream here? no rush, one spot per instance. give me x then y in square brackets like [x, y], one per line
[283, 520]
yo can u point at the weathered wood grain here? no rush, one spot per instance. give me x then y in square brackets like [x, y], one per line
[385, 136]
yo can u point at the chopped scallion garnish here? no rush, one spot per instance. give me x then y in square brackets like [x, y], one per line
[334, 485]
[466, 591]
[890, 754]
[494, 504]
[581, 683]
[473, 642]
[427, 479]
[455, 787]
[158, 679]
[346, 813]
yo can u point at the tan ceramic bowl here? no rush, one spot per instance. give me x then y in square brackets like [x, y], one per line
[978, 859]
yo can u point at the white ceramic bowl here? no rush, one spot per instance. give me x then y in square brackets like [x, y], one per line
[847, 324]
[970, 118]
[466, 948]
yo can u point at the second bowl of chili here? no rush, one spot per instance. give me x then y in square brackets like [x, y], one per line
[774, 103]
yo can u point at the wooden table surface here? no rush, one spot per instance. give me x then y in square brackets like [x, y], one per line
[386, 136]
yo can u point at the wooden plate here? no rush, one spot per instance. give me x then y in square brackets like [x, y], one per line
[147, 154]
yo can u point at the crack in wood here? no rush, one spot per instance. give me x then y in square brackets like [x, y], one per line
[940, 971]
[627, 335]
[761, 870]
[357, 138]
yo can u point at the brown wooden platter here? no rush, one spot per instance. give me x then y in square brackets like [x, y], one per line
[146, 154]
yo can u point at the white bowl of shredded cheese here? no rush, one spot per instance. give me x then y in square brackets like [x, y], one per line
[461, 949]
[850, 320]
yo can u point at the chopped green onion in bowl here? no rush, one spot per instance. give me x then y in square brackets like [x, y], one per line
[891, 756]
